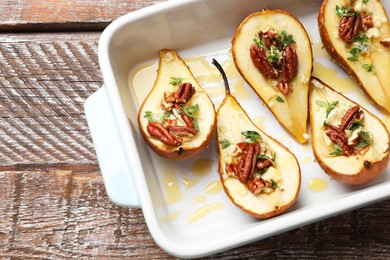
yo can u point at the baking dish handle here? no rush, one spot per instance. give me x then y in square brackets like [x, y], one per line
[117, 178]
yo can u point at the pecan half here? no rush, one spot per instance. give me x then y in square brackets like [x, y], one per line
[247, 162]
[256, 186]
[284, 87]
[340, 138]
[159, 131]
[182, 130]
[367, 22]
[349, 27]
[289, 64]
[231, 168]
[259, 59]
[385, 42]
[351, 113]
[263, 164]
[184, 93]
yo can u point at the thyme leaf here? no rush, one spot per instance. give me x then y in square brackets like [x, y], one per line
[328, 106]
[342, 11]
[337, 151]
[175, 81]
[251, 136]
[279, 99]
[225, 143]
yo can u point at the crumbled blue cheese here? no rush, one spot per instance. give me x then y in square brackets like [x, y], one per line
[373, 33]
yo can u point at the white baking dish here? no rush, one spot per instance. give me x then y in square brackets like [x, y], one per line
[135, 177]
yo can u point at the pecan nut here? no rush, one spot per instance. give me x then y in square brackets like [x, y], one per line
[263, 164]
[256, 186]
[385, 42]
[367, 22]
[159, 131]
[284, 87]
[349, 27]
[340, 138]
[289, 64]
[259, 59]
[353, 112]
[247, 162]
[184, 93]
[182, 130]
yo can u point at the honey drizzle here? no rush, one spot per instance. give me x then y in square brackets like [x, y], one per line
[203, 211]
[317, 184]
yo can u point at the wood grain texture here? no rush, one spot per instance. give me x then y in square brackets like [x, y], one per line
[64, 15]
[59, 214]
[43, 86]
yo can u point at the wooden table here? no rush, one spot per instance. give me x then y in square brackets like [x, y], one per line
[53, 201]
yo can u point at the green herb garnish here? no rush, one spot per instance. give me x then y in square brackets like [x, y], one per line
[355, 52]
[362, 44]
[365, 1]
[279, 99]
[262, 157]
[367, 140]
[286, 39]
[342, 11]
[258, 42]
[149, 115]
[225, 143]
[368, 67]
[325, 123]
[361, 38]
[175, 81]
[274, 56]
[328, 106]
[274, 184]
[191, 111]
[355, 125]
[251, 136]
[337, 151]
[196, 125]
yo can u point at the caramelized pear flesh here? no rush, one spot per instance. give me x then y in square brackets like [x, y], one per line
[362, 52]
[272, 182]
[349, 143]
[177, 117]
[281, 71]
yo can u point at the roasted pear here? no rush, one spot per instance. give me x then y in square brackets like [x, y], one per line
[349, 143]
[177, 117]
[356, 34]
[260, 175]
[272, 52]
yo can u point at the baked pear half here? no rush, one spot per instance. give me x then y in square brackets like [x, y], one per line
[350, 144]
[177, 117]
[272, 52]
[259, 174]
[356, 34]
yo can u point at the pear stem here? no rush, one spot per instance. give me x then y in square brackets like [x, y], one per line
[225, 80]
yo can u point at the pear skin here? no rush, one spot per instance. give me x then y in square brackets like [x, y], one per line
[291, 110]
[370, 68]
[366, 134]
[173, 129]
[285, 173]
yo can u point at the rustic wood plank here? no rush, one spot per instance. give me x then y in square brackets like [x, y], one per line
[65, 15]
[43, 87]
[54, 205]
[57, 214]
[61, 214]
